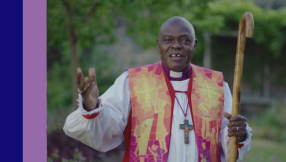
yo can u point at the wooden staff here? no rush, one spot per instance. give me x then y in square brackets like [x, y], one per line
[245, 29]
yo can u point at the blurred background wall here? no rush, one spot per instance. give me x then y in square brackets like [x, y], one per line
[112, 36]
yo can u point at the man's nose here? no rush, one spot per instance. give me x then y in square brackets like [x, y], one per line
[176, 45]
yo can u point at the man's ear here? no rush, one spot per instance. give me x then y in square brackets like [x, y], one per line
[158, 45]
[195, 45]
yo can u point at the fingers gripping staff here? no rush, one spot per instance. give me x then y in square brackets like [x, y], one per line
[88, 88]
[246, 26]
[236, 126]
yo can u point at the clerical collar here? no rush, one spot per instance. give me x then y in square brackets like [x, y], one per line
[178, 76]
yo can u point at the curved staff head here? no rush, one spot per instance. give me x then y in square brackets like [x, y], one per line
[245, 30]
[246, 25]
[249, 24]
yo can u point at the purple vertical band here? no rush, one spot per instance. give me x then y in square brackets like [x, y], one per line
[34, 81]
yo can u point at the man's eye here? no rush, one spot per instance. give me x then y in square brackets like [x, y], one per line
[168, 40]
[185, 40]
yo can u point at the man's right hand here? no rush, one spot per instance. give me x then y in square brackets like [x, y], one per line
[89, 88]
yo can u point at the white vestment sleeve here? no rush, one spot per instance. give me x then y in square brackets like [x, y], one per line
[105, 131]
[224, 139]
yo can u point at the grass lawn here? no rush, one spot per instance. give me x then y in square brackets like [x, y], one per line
[266, 151]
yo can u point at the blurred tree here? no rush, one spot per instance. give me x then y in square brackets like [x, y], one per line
[146, 23]
[267, 56]
[270, 25]
[81, 23]
[86, 23]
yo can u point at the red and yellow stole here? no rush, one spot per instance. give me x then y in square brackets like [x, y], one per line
[148, 132]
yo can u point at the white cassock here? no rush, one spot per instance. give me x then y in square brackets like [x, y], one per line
[105, 132]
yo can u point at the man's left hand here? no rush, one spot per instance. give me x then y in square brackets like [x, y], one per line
[236, 126]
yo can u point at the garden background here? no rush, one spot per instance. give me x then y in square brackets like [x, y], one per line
[112, 36]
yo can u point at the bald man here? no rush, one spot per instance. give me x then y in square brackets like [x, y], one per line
[170, 111]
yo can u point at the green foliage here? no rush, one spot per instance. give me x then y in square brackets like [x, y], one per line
[143, 20]
[103, 66]
[93, 23]
[269, 25]
[56, 20]
[89, 25]
[146, 23]
[266, 48]
[142, 17]
[59, 92]
[271, 123]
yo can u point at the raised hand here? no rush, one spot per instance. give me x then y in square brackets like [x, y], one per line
[88, 89]
[236, 126]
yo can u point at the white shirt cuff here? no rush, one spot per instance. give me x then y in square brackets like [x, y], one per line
[85, 112]
[248, 135]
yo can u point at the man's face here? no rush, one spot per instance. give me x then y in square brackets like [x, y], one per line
[176, 44]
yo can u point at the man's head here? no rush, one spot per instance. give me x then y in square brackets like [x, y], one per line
[176, 43]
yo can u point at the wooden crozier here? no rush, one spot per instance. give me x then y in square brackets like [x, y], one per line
[245, 29]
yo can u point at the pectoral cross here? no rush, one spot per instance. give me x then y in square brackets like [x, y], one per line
[186, 128]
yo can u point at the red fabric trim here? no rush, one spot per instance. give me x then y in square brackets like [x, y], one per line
[189, 94]
[172, 94]
[240, 145]
[127, 138]
[182, 92]
[90, 116]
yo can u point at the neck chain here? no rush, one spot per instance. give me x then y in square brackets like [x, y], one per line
[185, 113]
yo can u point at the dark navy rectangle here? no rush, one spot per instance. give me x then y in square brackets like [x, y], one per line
[11, 28]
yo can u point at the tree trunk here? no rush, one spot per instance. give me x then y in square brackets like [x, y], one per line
[73, 43]
[74, 66]
[207, 60]
[73, 50]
